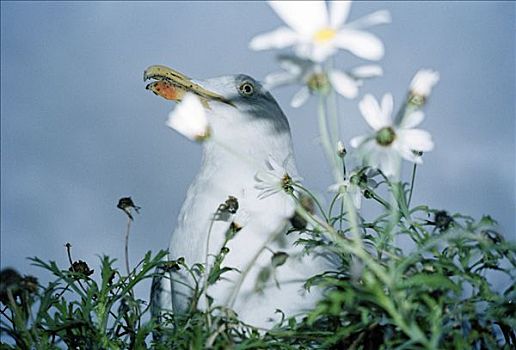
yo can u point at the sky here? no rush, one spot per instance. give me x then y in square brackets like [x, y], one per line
[79, 131]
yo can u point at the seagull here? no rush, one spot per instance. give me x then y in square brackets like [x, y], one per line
[251, 147]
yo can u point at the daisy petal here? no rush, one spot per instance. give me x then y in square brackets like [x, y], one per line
[390, 163]
[344, 84]
[368, 71]
[305, 17]
[416, 139]
[274, 165]
[387, 106]
[267, 193]
[275, 79]
[371, 112]
[372, 19]
[406, 153]
[300, 97]
[317, 53]
[360, 43]
[412, 120]
[358, 140]
[336, 186]
[356, 197]
[372, 153]
[293, 64]
[339, 11]
[276, 39]
[189, 118]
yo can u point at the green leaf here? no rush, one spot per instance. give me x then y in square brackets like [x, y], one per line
[430, 282]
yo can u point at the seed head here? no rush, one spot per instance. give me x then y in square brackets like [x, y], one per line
[442, 220]
[126, 204]
[230, 205]
[81, 268]
[9, 282]
[29, 284]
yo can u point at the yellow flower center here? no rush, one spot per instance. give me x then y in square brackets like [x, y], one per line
[286, 183]
[324, 35]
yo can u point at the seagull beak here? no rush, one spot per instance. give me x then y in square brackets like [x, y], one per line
[172, 85]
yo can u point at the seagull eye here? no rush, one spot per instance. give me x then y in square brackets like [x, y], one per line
[246, 88]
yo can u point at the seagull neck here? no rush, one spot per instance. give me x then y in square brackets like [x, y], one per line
[247, 155]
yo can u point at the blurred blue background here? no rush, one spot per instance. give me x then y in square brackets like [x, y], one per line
[78, 130]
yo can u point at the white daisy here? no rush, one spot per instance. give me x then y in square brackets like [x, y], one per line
[353, 190]
[317, 32]
[423, 82]
[354, 184]
[382, 149]
[314, 79]
[275, 179]
[189, 119]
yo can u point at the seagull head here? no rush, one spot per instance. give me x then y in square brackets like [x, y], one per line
[241, 112]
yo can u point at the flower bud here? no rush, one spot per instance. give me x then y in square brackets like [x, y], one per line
[368, 194]
[298, 222]
[279, 258]
[341, 150]
[422, 84]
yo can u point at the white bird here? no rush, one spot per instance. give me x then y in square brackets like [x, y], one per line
[247, 156]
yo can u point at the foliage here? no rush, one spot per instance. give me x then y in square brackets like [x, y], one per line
[433, 296]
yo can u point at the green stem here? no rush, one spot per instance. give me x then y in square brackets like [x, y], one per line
[412, 183]
[333, 108]
[332, 204]
[341, 216]
[319, 206]
[379, 199]
[343, 168]
[325, 138]
[401, 201]
[206, 268]
[333, 117]
[126, 250]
